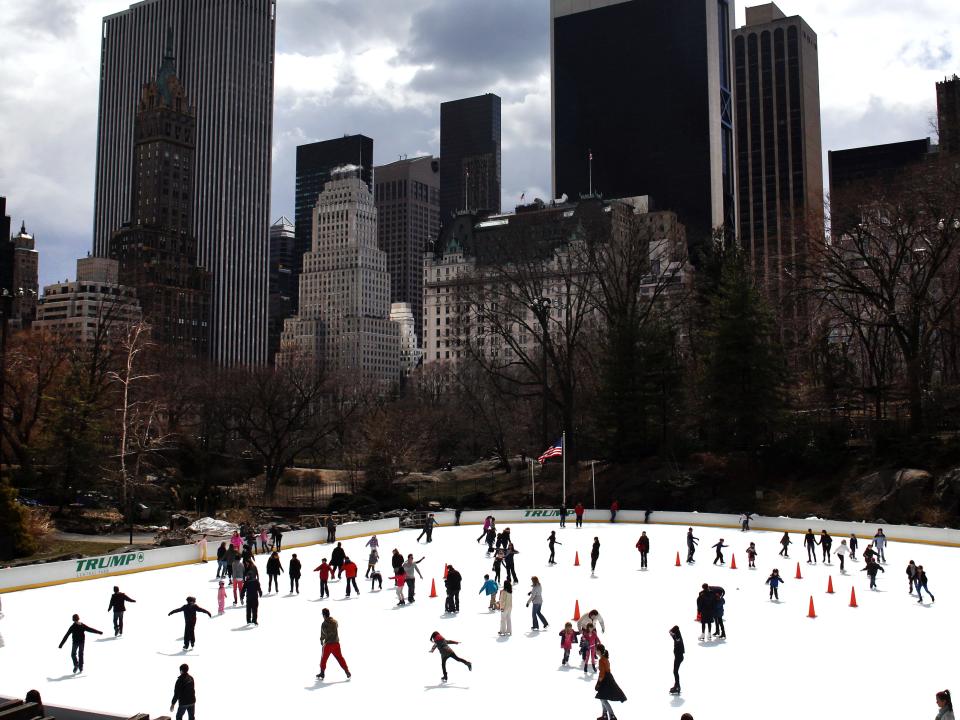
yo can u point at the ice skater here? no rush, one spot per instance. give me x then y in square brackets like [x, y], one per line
[593, 617]
[276, 536]
[719, 548]
[921, 582]
[221, 598]
[825, 543]
[337, 558]
[372, 561]
[853, 546]
[578, 513]
[643, 545]
[588, 647]
[871, 569]
[427, 528]
[452, 582]
[350, 569]
[721, 600]
[568, 636]
[508, 562]
[880, 543]
[691, 545]
[506, 609]
[911, 576]
[677, 658]
[614, 509]
[774, 581]
[274, 568]
[396, 560]
[190, 611]
[487, 522]
[535, 597]
[373, 542]
[869, 553]
[118, 604]
[785, 542]
[810, 542]
[331, 530]
[236, 574]
[490, 587]
[563, 514]
[551, 542]
[498, 564]
[399, 578]
[325, 571]
[945, 703]
[752, 555]
[264, 537]
[594, 555]
[446, 652]
[606, 687]
[491, 538]
[253, 591]
[376, 579]
[184, 692]
[330, 640]
[706, 608]
[411, 569]
[221, 560]
[295, 568]
[77, 632]
[841, 553]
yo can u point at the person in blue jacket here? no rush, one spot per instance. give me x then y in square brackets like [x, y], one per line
[719, 548]
[774, 582]
[490, 587]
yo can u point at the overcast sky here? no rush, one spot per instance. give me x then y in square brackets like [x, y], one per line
[382, 67]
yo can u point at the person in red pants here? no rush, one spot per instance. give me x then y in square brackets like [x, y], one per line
[330, 639]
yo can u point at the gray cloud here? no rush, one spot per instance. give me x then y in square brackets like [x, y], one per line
[929, 55]
[316, 27]
[53, 18]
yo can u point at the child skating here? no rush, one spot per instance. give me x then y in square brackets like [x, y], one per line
[490, 587]
[752, 556]
[719, 548]
[842, 551]
[568, 636]
[872, 568]
[786, 542]
[774, 582]
[446, 652]
[588, 647]
[221, 598]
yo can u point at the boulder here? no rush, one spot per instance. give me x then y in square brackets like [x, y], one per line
[909, 495]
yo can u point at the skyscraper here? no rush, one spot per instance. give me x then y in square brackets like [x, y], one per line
[283, 283]
[407, 194]
[224, 59]
[343, 324]
[314, 165]
[157, 252]
[948, 115]
[26, 288]
[779, 164]
[469, 155]
[642, 102]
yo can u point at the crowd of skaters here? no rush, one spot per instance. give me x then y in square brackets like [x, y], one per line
[238, 562]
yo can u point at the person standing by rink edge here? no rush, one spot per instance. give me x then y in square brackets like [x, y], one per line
[118, 604]
[677, 658]
[330, 640]
[578, 512]
[77, 632]
[185, 693]
[614, 508]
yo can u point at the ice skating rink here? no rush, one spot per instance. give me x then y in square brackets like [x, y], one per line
[884, 659]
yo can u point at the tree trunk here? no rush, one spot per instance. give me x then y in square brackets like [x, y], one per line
[915, 392]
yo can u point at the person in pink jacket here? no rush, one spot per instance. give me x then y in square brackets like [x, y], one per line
[567, 637]
[236, 541]
[221, 597]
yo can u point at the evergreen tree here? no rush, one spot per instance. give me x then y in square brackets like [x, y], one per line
[15, 541]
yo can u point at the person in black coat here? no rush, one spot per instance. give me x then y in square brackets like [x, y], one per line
[677, 658]
[77, 632]
[552, 542]
[508, 563]
[720, 601]
[331, 530]
[396, 561]
[118, 604]
[277, 537]
[251, 588]
[337, 558]
[453, 581]
[594, 554]
[606, 687]
[294, 568]
[706, 608]
[185, 693]
[810, 542]
[221, 557]
[274, 568]
[189, 611]
[691, 544]
[825, 543]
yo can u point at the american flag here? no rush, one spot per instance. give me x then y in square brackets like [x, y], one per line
[555, 450]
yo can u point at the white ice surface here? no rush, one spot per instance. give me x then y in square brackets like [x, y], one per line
[884, 659]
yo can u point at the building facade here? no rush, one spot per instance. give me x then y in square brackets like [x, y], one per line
[779, 164]
[283, 283]
[407, 195]
[25, 287]
[225, 60]
[948, 115]
[343, 323]
[411, 355]
[92, 305]
[315, 162]
[470, 158]
[157, 252]
[641, 95]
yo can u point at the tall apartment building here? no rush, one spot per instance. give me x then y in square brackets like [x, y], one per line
[948, 115]
[224, 58]
[25, 286]
[641, 95]
[315, 162]
[407, 194]
[283, 283]
[92, 305]
[343, 323]
[469, 156]
[779, 164]
[156, 251]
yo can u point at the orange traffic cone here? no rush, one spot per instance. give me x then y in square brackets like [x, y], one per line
[799, 576]
[853, 598]
[678, 559]
[811, 613]
[446, 569]
[733, 561]
[576, 559]
[576, 610]
[830, 585]
[433, 588]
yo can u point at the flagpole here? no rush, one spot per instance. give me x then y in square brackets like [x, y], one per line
[593, 477]
[533, 487]
[564, 448]
[590, 166]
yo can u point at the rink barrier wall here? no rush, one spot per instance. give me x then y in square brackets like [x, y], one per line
[63, 712]
[838, 528]
[27, 577]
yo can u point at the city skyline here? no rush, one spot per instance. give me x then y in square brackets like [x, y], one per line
[383, 70]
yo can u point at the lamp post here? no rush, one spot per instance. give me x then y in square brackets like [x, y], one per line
[540, 308]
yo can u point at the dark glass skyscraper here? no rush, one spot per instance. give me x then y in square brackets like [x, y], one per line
[469, 155]
[314, 163]
[224, 59]
[644, 87]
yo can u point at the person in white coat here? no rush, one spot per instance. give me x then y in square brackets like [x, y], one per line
[593, 617]
[842, 551]
[506, 607]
